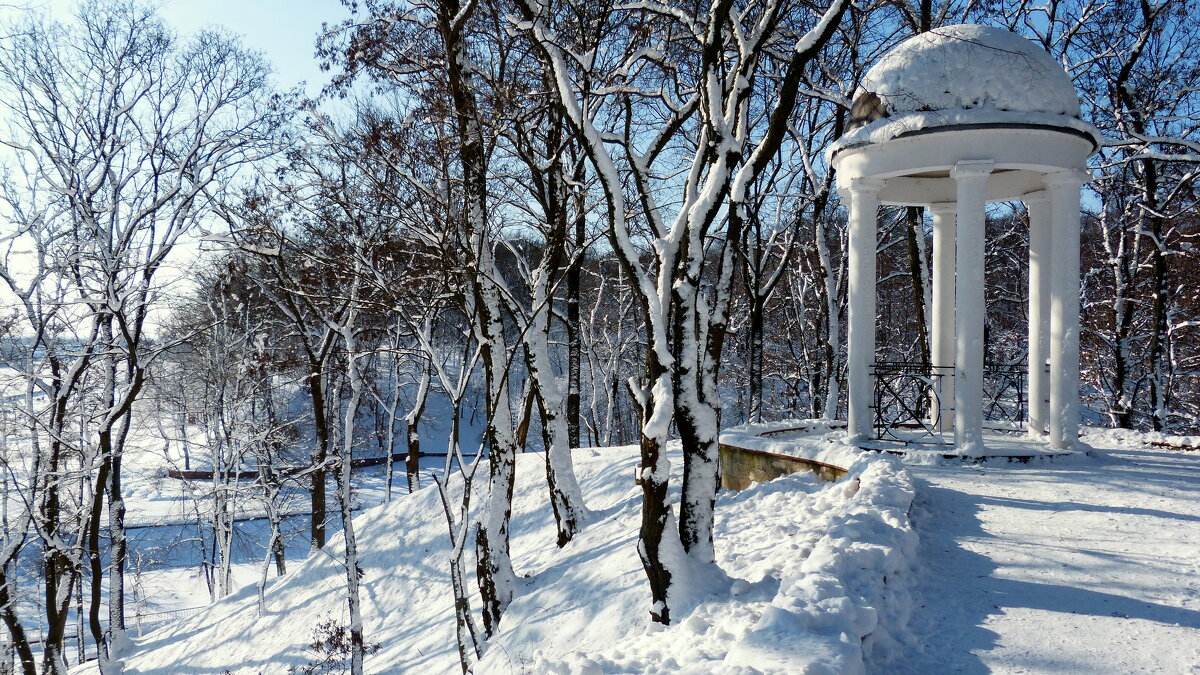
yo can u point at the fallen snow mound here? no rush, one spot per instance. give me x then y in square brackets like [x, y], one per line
[818, 582]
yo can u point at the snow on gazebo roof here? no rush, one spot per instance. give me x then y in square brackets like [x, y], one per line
[971, 66]
[965, 74]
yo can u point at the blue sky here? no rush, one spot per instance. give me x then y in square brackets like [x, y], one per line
[285, 31]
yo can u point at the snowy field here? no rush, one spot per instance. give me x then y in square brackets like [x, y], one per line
[170, 521]
[807, 564]
[1084, 564]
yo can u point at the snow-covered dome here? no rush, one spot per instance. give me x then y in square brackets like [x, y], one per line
[962, 75]
[971, 66]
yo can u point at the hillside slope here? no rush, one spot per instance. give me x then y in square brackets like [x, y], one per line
[806, 563]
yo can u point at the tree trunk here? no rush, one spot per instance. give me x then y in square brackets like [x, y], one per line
[56, 563]
[574, 348]
[832, 315]
[757, 308]
[320, 454]
[96, 568]
[354, 573]
[1123, 306]
[566, 499]
[494, 563]
[1158, 304]
[654, 472]
[526, 417]
[118, 549]
[913, 217]
[494, 570]
[16, 632]
[412, 424]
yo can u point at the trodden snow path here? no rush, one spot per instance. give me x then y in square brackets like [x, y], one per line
[1089, 566]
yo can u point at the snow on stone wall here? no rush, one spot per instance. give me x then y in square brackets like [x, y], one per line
[812, 439]
[848, 602]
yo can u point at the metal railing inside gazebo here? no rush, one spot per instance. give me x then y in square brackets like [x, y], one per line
[907, 407]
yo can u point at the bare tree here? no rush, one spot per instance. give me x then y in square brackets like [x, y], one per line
[122, 135]
[1133, 73]
[727, 51]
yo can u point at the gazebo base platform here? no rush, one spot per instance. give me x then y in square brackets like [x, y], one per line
[1000, 445]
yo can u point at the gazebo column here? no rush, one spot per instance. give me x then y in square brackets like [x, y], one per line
[860, 349]
[970, 179]
[1063, 187]
[1040, 265]
[942, 334]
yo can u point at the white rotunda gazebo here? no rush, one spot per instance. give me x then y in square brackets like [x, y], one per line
[952, 119]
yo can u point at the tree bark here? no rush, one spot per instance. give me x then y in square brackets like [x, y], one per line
[913, 217]
[16, 631]
[354, 573]
[319, 456]
[574, 348]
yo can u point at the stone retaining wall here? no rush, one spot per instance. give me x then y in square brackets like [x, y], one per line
[742, 467]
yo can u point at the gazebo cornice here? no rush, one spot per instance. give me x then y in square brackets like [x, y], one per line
[917, 167]
[1089, 137]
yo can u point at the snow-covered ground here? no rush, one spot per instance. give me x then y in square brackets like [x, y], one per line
[1090, 565]
[170, 520]
[1080, 564]
[816, 583]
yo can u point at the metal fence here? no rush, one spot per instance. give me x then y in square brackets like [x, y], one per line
[79, 651]
[140, 624]
[907, 406]
[906, 403]
[1005, 393]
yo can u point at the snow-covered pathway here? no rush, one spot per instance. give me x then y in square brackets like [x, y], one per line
[1087, 567]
